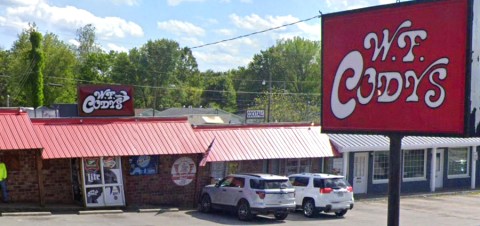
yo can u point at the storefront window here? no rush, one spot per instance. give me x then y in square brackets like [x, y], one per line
[458, 163]
[334, 166]
[103, 182]
[414, 164]
[380, 166]
[297, 166]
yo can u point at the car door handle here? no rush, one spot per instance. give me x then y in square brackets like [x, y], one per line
[240, 191]
[224, 189]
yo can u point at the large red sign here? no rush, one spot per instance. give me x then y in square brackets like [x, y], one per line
[105, 100]
[396, 69]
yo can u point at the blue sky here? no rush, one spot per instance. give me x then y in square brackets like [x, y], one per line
[125, 24]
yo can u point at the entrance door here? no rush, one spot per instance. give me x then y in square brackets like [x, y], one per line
[360, 173]
[439, 169]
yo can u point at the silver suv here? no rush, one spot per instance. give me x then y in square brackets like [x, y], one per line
[249, 195]
[316, 192]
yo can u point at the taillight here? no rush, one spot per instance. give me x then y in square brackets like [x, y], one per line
[261, 194]
[349, 189]
[325, 190]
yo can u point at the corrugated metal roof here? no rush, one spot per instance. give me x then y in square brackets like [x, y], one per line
[245, 142]
[93, 137]
[16, 131]
[352, 142]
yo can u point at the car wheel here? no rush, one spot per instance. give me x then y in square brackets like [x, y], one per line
[309, 208]
[243, 211]
[280, 215]
[341, 213]
[206, 204]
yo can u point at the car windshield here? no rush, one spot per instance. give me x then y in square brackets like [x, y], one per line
[269, 184]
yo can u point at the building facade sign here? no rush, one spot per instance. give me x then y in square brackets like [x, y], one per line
[105, 100]
[183, 171]
[400, 68]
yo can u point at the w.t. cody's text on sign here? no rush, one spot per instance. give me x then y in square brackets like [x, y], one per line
[402, 69]
[105, 100]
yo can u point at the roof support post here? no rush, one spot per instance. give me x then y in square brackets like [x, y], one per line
[433, 169]
[345, 164]
[474, 166]
[41, 187]
[394, 179]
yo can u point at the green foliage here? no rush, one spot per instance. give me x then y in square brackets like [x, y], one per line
[164, 75]
[60, 61]
[35, 79]
[292, 69]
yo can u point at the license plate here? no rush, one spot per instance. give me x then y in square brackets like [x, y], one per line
[340, 194]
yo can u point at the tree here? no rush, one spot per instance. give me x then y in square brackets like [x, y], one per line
[59, 71]
[35, 79]
[86, 42]
[219, 91]
[292, 69]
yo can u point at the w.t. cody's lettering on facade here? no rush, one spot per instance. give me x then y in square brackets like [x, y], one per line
[400, 68]
[105, 100]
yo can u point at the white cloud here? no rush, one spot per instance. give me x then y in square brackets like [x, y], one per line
[246, 1]
[74, 42]
[70, 18]
[178, 2]
[225, 32]
[180, 28]
[255, 23]
[111, 46]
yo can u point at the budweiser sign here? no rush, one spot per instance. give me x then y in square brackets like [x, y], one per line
[103, 100]
[397, 69]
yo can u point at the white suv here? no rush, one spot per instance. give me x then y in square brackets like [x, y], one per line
[250, 194]
[316, 192]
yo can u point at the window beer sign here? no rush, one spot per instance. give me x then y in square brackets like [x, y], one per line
[105, 100]
[402, 68]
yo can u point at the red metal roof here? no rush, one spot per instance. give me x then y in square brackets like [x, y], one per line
[93, 137]
[234, 143]
[16, 131]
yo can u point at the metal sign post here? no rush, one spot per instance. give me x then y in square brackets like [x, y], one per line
[395, 161]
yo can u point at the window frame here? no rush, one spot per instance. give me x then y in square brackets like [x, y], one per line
[380, 181]
[421, 178]
[467, 172]
[298, 166]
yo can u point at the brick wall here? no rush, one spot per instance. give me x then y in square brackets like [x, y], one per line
[22, 175]
[160, 189]
[57, 181]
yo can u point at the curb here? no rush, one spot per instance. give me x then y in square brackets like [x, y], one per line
[16, 214]
[86, 212]
[158, 210]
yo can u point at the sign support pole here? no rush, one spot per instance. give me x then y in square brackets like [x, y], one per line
[394, 179]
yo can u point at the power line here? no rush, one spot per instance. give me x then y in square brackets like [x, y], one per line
[257, 32]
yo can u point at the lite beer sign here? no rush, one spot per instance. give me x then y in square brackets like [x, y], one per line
[404, 68]
[105, 100]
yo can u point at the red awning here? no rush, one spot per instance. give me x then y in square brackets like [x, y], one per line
[16, 131]
[234, 143]
[94, 137]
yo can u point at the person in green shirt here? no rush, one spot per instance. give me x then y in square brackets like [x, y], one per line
[3, 181]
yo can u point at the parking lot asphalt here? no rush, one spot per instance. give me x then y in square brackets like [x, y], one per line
[29, 209]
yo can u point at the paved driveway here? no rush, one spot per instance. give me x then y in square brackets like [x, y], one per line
[456, 210]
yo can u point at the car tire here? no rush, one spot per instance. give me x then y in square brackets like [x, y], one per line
[280, 215]
[309, 209]
[206, 204]
[243, 211]
[341, 213]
